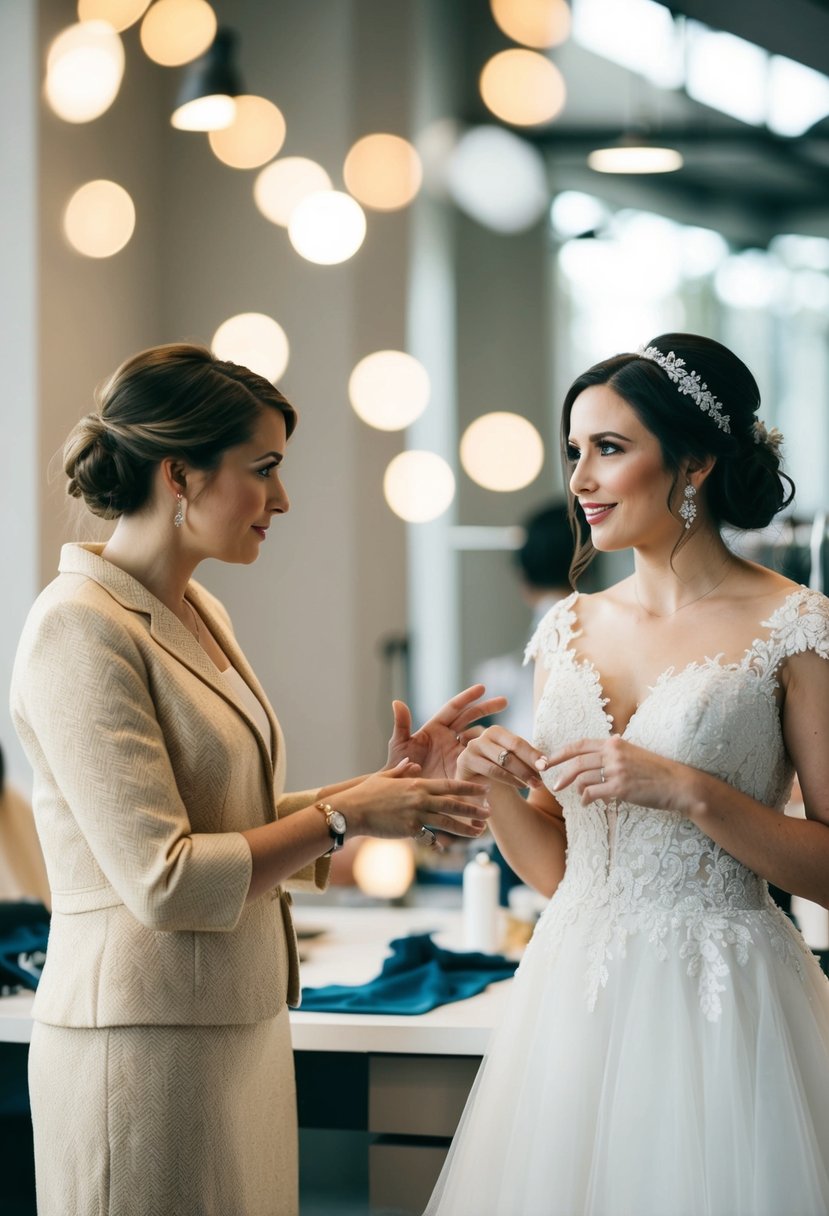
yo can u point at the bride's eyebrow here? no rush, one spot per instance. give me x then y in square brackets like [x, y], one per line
[609, 435]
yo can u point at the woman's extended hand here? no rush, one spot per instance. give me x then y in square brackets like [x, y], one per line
[496, 754]
[439, 742]
[389, 805]
[604, 769]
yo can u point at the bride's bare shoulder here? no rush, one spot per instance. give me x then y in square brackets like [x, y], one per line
[596, 607]
[757, 587]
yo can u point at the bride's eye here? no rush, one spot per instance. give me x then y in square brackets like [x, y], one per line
[572, 453]
[607, 448]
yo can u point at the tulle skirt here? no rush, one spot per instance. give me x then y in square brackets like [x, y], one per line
[642, 1105]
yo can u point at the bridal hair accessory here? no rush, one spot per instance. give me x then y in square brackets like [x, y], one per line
[772, 439]
[178, 518]
[688, 510]
[689, 383]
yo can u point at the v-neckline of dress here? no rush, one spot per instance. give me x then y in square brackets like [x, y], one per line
[668, 674]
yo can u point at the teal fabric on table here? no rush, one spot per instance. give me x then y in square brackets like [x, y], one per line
[417, 977]
[24, 932]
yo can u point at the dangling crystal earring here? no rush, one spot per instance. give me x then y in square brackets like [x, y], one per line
[178, 518]
[688, 510]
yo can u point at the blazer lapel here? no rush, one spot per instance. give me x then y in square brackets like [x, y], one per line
[168, 631]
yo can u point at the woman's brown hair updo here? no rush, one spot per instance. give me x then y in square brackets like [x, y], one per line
[177, 400]
[747, 487]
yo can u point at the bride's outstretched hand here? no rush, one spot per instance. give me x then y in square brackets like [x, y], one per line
[604, 769]
[499, 755]
[439, 742]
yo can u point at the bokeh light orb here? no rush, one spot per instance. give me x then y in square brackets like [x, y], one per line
[389, 389]
[285, 183]
[522, 88]
[99, 219]
[502, 451]
[418, 486]
[255, 135]
[174, 32]
[537, 23]
[327, 227]
[84, 69]
[499, 179]
[383, 172]
[384, 869]
[256, 341]
[120, 14]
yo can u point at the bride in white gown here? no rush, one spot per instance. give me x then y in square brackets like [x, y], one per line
[666, 1047]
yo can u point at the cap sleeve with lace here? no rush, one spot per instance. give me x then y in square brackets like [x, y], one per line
[554, 632]
[800, 624]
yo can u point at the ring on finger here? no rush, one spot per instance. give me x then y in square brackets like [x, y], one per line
[459, 739]
[503, 756]
[601, 774]
[428, 835]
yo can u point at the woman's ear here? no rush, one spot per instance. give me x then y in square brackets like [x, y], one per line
[698, 470]
[173, 475]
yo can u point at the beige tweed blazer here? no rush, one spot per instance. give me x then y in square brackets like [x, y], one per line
[147, 767]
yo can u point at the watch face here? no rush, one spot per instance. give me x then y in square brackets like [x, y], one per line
[338, 822]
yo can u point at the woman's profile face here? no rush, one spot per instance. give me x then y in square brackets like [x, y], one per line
[231, 510]
[617, 473]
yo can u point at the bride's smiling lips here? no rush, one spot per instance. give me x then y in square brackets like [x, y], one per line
[596, 512]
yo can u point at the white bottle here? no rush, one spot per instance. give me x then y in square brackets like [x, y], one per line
[481, 883]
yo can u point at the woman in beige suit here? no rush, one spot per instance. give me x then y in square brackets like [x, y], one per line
[161, 1073]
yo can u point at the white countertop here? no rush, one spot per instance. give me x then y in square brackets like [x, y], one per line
[350, 950]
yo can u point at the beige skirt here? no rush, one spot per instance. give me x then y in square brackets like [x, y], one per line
[165, 1120]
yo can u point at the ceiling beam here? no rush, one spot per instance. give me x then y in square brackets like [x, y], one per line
[798, 29]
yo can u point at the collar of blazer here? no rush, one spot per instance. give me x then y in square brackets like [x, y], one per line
[168, 631]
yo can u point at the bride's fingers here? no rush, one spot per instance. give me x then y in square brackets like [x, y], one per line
[571, 771]
[512, 765]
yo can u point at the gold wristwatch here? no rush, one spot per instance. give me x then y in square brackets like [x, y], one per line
[337, 826]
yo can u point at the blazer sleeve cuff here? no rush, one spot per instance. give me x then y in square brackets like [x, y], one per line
[313, 877]
[212, 890]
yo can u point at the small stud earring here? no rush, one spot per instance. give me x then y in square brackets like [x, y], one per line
[178, 518]
[688, 510]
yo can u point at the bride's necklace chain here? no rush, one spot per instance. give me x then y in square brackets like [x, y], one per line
[664, 615]
[196, 619]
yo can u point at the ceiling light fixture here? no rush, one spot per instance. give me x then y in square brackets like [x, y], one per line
[205, 100]
[634, 153]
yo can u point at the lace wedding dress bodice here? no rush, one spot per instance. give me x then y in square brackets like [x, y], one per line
[635, 870]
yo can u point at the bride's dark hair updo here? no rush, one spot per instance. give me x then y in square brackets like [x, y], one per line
[177, 400]
[747, 487]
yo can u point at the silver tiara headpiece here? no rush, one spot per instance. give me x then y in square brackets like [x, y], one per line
[689, 383]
